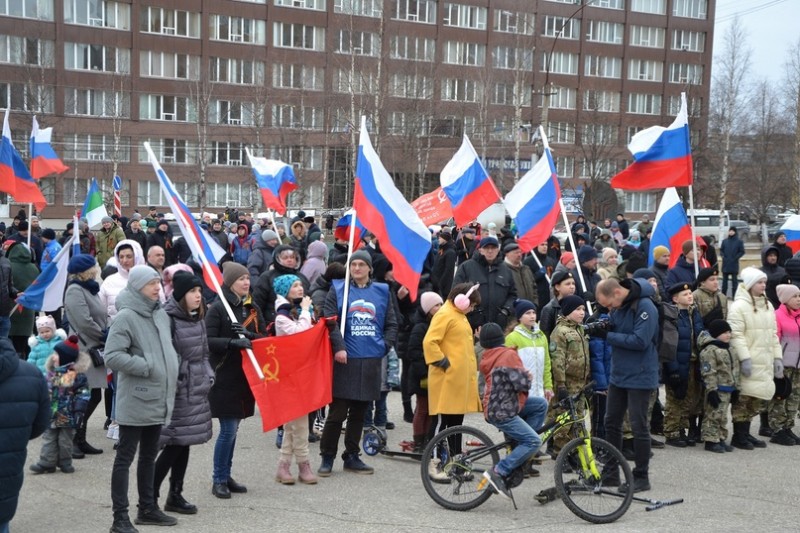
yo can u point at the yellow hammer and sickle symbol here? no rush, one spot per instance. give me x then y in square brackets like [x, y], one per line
[269, 375]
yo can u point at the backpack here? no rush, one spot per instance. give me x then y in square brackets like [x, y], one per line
[667, 342]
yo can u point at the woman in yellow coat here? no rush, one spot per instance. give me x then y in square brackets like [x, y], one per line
[450, 355]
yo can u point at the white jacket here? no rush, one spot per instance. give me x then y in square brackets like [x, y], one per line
[114, 283]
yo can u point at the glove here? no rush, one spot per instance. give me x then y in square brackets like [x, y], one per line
[674, 381]
[240, 344]
[747, 367]
[562, 394]
[777, 366]
[735, 397]
[443, 363]
[713, 398]
[588, 296]
[239, 329]
[597, 329]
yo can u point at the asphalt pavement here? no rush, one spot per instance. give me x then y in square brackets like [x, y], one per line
[745, 490]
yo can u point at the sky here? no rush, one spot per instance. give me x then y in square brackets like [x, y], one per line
[772, 29]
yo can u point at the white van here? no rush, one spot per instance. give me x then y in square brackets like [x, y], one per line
[706, 221]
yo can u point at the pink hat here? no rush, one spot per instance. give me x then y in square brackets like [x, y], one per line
[786, 292]
[566, 257]
[45, 322]
[428, 300]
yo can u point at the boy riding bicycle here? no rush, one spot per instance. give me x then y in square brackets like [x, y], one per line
[507, 405]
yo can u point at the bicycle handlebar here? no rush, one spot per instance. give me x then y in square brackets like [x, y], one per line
[587, 391]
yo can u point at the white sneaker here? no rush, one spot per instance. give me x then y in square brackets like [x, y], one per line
[436, 475]
[113, 431]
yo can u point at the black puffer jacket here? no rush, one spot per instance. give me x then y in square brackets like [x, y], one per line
[191, 416]
[230, 397]
[418, 370]
[264, 294]
[260, 259]
[7, 291]
[25, 404]
[497, 289]
[443, 269]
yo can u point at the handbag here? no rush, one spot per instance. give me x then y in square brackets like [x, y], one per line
[96, 355]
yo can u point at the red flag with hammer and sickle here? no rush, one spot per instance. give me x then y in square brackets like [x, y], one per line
[298, 375]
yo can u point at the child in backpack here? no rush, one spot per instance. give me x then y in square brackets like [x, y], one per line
[44, 342]
[293, 314]
[532, 347]
[719, 367]
[69, 396]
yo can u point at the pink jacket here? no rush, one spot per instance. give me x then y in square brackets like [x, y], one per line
[788, 322]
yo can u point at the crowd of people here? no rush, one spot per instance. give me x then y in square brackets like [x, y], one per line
[494, 330]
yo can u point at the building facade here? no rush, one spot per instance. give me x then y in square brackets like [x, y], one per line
[202, 80]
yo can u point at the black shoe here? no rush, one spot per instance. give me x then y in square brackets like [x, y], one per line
[497, 482]
[792, 434]
[326, 466]
[756, 442]
[725, 446]
[715, 447]
[313, 437]
[352, 463]
[176, 503]
[236, 488]
[640, 484]
[77, 453]
[88, 449]
[656, 444]
[765, 431]
[67, 469]
[221, 490]
[36, 468]
[154, 517]
[678, 442]
[390, 425]
[123, 525]
[781, 437]
[741, 442]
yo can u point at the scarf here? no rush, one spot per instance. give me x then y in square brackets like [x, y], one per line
[90, 285]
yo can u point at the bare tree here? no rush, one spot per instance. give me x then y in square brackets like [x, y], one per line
[793, 103]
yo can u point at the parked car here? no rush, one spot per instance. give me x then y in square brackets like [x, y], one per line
[774, 228]
[742, 228]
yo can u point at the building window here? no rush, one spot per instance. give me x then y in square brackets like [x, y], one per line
[645, 70]
[27, 51]
[298, 77]
[609, 4]
[459, 90]
[98, 58]
[361, 43]
[97, 103]
[114, 15]
[411, 86]
[605, 32]
[347, 82]
[317, 5]
[416, 11]
[75, 190]
[29, 9]
[508, 57]
[462, 16]
[396, 123]
[150, 193]
[603, 67]
[513, 22]
[226, 194]
[444, 127]
[168, 65]
[361, 8]
[655, 7]
[633, 130]
[601, 101]
[166, 107]
[412, 48]
[694, 105]
[644, 104]
[227, 153]
[170, 22]
[511, 94]
[598, 168]
[561, 132]
[562, 27]
[561, 63]
[467, 54]
[287, 35]
[563, 98]
[84, 147]
[237, 29]
[600, 134]
[684, 73]
[231, 113]
[298, 117]
[238, 71]
[689, 41]
[171, 151]
[48, 188]
[640, 202]
[309, 158]
[565, 167]
[27, 97]
[695, 9]
[647, 36]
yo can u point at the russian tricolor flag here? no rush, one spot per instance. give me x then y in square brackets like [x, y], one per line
[467, 184]
[198, 240]
[671, 227]
[662, 157]
[534, 204]
[44, 160]
[275, 179]
[342, 230]
[403, 236]
[792, 230]
[14, 176]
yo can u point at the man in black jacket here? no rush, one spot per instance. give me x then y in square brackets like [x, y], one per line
[444, 266]
[285, 260]
[497, 288]
[732, 250]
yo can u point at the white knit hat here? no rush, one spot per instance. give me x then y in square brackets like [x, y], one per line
[751, 276]
[46, 322]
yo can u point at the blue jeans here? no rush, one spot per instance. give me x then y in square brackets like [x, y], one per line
[5, 329]
[4, 528]
[223, 449]
[381, 412]
[521, 430]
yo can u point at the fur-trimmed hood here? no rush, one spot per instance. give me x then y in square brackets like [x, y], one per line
[33, 340]
[81, 365]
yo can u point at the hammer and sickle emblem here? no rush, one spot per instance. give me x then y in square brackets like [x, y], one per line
[267, 369]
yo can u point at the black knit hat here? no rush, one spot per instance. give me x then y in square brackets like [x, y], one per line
[706, 273]
[183, 282]
[491, 336]
[49, 233]
[718, 327]
[570, 303]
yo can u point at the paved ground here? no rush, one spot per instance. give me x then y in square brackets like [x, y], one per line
[741, 490]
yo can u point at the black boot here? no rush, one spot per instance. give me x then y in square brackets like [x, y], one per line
[80, 442]
[122, 524]
[408, 412]
[693, 435]
[175, 501]
[764, 430]
[741, 430]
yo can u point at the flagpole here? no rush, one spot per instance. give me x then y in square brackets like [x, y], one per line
[541, 266]
[347, 269]
[694, 237]
[30, 229]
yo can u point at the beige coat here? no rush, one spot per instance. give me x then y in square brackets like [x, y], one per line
[755, 337]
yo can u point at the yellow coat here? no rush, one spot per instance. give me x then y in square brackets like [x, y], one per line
[453, 391]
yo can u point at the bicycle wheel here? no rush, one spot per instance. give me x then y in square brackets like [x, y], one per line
[596, 500]
[452, 467]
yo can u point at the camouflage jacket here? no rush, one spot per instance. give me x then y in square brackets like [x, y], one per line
[712, 306]
[569, 354]
[719, 365]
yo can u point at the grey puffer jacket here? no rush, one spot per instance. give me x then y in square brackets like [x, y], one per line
[88, 318]
[139, 348]
[191, 416]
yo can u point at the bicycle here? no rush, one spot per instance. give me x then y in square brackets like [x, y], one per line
[593, 479]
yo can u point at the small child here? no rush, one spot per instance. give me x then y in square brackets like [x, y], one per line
[293, 315]
[69, 396]
[719, 367]
[569, 350]
[44, 342]
[531, 344]
[783, 411]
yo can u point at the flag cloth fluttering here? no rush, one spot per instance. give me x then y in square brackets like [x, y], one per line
[342, 229]
[275, 180]
[93, 208]
[662, 157]
[404, 239]
[792, 230]
[14, 176]
[433, 207]
[467, 184]
[671, 227]
[44, 160]
[533, 203]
